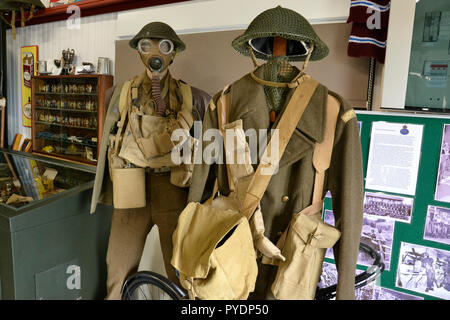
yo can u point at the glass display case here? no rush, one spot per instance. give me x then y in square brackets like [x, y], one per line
[25, 180]
[51, 247]
[68, 114]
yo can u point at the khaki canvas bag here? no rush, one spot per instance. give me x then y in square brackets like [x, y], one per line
[213, 245]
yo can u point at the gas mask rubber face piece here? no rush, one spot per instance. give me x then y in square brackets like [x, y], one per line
[157, 55]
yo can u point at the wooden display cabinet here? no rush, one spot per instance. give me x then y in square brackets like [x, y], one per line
[68, 114]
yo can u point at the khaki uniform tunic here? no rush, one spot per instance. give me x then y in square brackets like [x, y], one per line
[130, 227]
[291, 189]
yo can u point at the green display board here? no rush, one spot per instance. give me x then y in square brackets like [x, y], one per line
[413, 268]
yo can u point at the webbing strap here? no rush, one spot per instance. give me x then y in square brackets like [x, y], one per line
[286, 126]
[123, 99]
[323, 150]
[223, 107]
[321, 161]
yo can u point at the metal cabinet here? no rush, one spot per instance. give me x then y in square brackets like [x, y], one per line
[50, 246]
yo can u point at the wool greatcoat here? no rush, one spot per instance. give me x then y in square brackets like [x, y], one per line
[291, 189]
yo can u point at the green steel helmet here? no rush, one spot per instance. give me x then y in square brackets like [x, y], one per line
[284, 23]
[158, 30]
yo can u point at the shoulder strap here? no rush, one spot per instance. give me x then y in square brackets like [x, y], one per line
[223, 108]
[323, 150]
[186, 93]
[286, 126]
[123, 109]
[321, 161]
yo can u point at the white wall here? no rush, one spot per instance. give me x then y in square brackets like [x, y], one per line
[398, 51]
[95, 38]
[222, 15]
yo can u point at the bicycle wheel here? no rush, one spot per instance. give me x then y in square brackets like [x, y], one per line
[147, 285]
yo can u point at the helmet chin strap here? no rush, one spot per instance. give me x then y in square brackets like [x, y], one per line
[156, 91]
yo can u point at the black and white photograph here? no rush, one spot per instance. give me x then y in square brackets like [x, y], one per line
[377, 233]
[442, 192]
[390, 206]
[424, 270]
[328, 276]
[381, 293]
[437, 225]
[365, 293]
[328, 217]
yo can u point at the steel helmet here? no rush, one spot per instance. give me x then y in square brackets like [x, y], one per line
[158, 30]
[284, 23]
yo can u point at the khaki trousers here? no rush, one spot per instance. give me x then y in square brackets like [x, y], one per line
[130, 227]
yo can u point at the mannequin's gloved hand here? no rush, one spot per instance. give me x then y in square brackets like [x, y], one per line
[261, 242]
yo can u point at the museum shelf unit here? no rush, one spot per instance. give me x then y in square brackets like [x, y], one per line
[67, 115]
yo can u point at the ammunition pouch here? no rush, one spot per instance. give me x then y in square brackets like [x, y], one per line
[306, 241]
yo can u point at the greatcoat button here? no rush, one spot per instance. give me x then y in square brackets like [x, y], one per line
[285, 199]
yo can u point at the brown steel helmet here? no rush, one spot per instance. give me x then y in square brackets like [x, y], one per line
[158, 30]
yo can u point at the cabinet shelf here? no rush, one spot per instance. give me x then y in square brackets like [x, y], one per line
[64, 125]
[60, 140]
[66, 94]
[65, 110]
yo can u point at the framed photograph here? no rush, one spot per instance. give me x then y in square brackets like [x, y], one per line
[384, 205]
[366, 292]
[328, 276]
[381, 293]
[437, 225]
[442, 192]
[378, 233]
[424, 270]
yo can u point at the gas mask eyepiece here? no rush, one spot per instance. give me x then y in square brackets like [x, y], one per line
[165, 46]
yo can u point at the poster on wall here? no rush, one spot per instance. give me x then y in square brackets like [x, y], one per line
[378, 233]
[442, 192]
[437, 225]
[394, 156]
[384, 205]
[424, 270]
[28, 58]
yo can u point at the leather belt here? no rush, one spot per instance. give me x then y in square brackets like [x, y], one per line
[158, 170]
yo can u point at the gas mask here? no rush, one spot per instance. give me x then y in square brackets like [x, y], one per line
[278, 70]
[157, 55]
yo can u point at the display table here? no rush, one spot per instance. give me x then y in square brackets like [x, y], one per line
[51, 247]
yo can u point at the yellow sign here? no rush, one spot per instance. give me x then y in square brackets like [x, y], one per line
[29, 57]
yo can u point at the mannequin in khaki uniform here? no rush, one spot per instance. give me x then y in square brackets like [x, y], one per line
[164, 200]
[291, 189]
